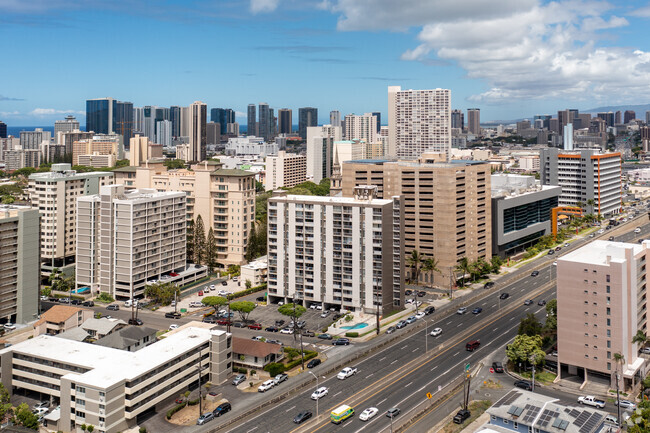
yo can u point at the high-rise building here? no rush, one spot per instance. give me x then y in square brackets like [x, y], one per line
[123, 120]
[645, 138]
[545, 118]
[457, 119]
[69, 138]
[617, 118]
[320, 146]
[307, 117]
[418, 121]
[213, 133]
[377, 114]
[55, 194]
[22, 158]
[629, 116]
[647, 117]
[20, 258]
[285, 170]
[335, 118]
[285, 121]
[32, 140]
[330, 267]
[601, 304]
[164, 132]
[101, 144]
[175, 118]
[225, 199]
[447, 207]
[362, 127]
[139, 237]
[568, 136]
[143, 150]
[138, 120]
[222, 116]
[3, 129]
[607, 117]
[197, 130]
[264, 124]
[587, 177]
[251, 125]
[107, 116]
[474, 121]
[185, 121]
[60, 126]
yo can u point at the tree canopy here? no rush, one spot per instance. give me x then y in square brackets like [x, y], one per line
[292, 310]
[243, 308]
[161, 293]
[530, 326]
[174, 164]
[526, 348]
[214, 302]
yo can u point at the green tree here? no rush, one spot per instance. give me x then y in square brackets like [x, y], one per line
[199, 241]
[91, 428]
[248, 284]
[122, 163]
[550, 326]
[162, 293]
[243, 308]
[174, 164]
[294, 311]
[25, 417]
[640, 338]
[430, 266]
[189, 241]
[259, 187]
[5, 404]
[525, 347]
[414, 260]
[83, 427]
[260, 233]
[463, 267]
[496, 264]
[251, 246]
[214, 302]
[639, 422]
[211, 251]
[530, 326]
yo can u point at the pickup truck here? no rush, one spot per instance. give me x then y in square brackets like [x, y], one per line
[590, 400]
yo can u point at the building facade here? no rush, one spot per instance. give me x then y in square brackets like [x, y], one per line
[197, 131]
[108, 116]
[68, 125]
[101, 144]
[285, 170]
[19, 263]
[285, 125]
[474, 121]
[362, 127]
[320, 155]
[126, 239]
[587, 177]
[343, 253]
[307, 117]
[418, 121]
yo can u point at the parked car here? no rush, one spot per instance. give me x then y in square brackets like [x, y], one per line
[401, 324]
[498, 367]
[341, 342]
[302, 416]
[239, 379]
[9, 326]
[408, 292]
[286, 331]
[136, 322]
[325, 313]
[308, 333]
[391, 329]
[461, 416]
[173, 326]
[210, 319]
[524, 384]
[113, 307]
[420, 315]
[313, 363]
[411, 319]
[324, 336]
[40, 411]
[224, 322]
[265, 386]
[477, 310]
[504, 295]
[551, 252]
[271, 328]
[260, 299]
[224, 283]
[626, 404]
[392, 412]
[429, 310]
[436, 332]
[88, 304]
[256, 326]
[205, 418]
[320, 393]
[279, 322]
[200, 293]
[280, 378]
[41, 404]
[346, 372]
[461, 310]
[221, 409]
[239, 325]
[421, 293]
[173, 315]
[368, 413]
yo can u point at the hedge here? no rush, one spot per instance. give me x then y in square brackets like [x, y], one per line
[274, 368]
[248, 291]
[309, 354]
[352, 334]
[193, 402]
[172, 411]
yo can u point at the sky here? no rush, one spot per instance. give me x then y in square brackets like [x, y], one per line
[510, 58]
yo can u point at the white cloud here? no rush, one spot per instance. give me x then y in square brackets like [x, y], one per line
[42, 112]
[9, 113]
[643, 12]
[264, 6]
[522, 50]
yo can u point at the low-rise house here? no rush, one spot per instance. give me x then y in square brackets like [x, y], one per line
[61, 318]
[131, 338]
[100, 328]
[255, 354]
[255, 272]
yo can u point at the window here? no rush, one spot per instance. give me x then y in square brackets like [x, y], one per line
[609, 365]
[609, 311]
[608, 289]
[609, 344]
[608, 280]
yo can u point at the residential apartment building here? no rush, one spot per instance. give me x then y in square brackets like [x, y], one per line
[447, 207]
[55, 194]
[418, 121]
[224, 198]
[19, 263]
[250, 145]
[126, 238]
[362, 127]
[21, 158]
[601, 304]
[474, 121]
[285, 170]
[142, 149]
[61, 318]
[320, 155]
[101, 144]
[587, 177]
[68, 125]
[521, 212]
[338, 252]
[96, 160]
[198, 112]
[108, 388]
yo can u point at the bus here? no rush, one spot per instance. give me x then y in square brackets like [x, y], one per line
[341, 413]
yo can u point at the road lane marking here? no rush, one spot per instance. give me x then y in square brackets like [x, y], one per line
[456, 354]
[382, 359]
[291, 408]
[370, 375]
[393, 362]
[404, 347]
[414, 350]
[408, 384]
[459, 325]
[337, 393]
[434, 368]
[381, 402]
[495, 329]
[494, 305]
[449, 323]
[253, 429]
[511, 319]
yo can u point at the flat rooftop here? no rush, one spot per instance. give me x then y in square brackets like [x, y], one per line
[329, 199]
[596, 252]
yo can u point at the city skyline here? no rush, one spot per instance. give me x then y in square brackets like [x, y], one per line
[520, 58]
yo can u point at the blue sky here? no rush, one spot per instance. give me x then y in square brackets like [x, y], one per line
[511, 58]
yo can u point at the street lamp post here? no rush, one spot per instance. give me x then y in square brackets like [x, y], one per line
[391, 422]
[316, 388]
[426, 336]
[376, 299]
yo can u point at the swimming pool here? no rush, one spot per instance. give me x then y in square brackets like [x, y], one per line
[357, 326]
[81, 290]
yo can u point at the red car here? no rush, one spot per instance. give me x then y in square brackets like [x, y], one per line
[257, 326]
[200, 292]
[224, 322]
[180, 400]
[173, 274]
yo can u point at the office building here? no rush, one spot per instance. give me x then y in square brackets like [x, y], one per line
[647, 118]
[20, 258]
[362, 127]
[139, 237]
[307, 117]
[109, 388]
[233, 129]
[18, 158]
[264, 124]
[418, 121]
[545, 119]
[138, 120]
[335, 118]
[164, 133]
[617, 118]
[108, 116]
[629, 116]
[175, 118]
[97, 160]
[102, 144]
[251, 125]
[68, 125]
[457, 119]
[568, 136]
[329, 267]
[607, 117]
[285, 170]
[32, 140]
[474, 121]
[213, 133]
[3, 129]
[197, 131]
[222, 116]
[55, 194]
[377, 114]
[521, 212]
[224, 198]
[320, 146]
[346, 150]
[645, 138]
[143, 150]
[601, 304]
[447, 207]
[587, 177]
[284, 121]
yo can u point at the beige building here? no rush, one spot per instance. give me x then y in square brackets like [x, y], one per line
[142, 150]
[19, 263]
[255, 272]
[61, 318]
[363, 127]
[198, 136]
[126, 239]
[55, 194]
[225, 199]
[285, 170]
[601, 304]
[320, 143]
[447, 207]
[97, 160]
[109, 388]
[100, 144]
[21, 158]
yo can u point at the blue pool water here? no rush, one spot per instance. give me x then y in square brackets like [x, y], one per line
[357, 326]
[81, 290]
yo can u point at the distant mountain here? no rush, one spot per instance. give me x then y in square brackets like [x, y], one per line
[639, 109]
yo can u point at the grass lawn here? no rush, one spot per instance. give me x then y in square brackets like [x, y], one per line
[476, 408]
[544, 377]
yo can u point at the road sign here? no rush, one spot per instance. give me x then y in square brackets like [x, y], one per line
[467, 367]
[491, 370]
[429, 395]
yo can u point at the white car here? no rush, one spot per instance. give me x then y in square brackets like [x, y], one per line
[173, 326]
[212, 287]
[319, 393]
[637, 230]
[346, 372]
[461, 310]
[436, 332]
[39, 411]
[286, 331]
[9, 326]
[223, 293]
[420, 315]
[266, 386]
[368, 413]
[601, 231]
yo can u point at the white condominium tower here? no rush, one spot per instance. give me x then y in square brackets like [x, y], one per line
[362, 127]
[418, 121]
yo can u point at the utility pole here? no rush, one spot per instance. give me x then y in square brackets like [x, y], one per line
[377, 307]
[451, 284]
[228, 318]
[200, 405]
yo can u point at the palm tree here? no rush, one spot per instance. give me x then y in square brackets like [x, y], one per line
[640, 338]
[430, 264]
[463, 267]
[580, 204]
[619, 359]
[591, 202]
[415, 261]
